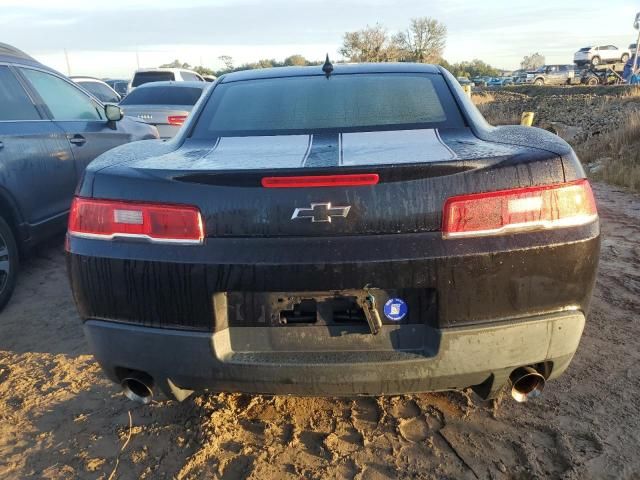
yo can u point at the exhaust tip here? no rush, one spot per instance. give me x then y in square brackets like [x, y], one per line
[138, 388]
[526, 384]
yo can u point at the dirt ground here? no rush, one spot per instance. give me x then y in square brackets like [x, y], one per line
[60, 419]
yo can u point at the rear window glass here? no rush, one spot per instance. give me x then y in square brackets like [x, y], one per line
[147, 77]
[342, 102]
[163, 96]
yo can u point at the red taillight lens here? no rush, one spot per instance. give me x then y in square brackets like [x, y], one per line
[176, 119]
[347, 180]
[106, 219]
[520, 209]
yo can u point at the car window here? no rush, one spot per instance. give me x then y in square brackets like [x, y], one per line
[14, 101]
[173, 95]
[141, 78]
[190, 77]
[100, 91]
[342, 103]
[65, 101]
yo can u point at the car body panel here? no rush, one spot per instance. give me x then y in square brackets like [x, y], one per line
[217, 306]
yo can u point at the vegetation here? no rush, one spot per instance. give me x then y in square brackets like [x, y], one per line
[423, 41]
[532, 62]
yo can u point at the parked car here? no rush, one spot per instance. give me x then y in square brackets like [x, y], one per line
[500, 82]
[165, 105]
[120, 86]
[602, 54]
[366, 233]
[464, 81]
[209, 78]
[50, 129]
[479, 81]
[550, 75]
[148, 75]
[98, 89]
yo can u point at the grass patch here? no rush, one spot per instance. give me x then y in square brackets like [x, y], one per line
[615, 154]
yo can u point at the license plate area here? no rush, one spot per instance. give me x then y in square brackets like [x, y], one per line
[354, 308]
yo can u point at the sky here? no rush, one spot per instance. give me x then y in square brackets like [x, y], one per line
[112, 38]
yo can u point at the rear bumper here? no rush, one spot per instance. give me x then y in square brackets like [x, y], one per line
[324, 361]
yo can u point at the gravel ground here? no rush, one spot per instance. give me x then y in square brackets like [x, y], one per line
[60, 419]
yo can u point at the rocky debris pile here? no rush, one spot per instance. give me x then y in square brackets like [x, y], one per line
[574, 114]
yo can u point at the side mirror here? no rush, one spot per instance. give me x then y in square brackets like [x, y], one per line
[113, 112]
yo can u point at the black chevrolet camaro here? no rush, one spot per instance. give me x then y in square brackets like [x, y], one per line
[335, 231]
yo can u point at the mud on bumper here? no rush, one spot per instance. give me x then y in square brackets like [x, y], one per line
[334, 361]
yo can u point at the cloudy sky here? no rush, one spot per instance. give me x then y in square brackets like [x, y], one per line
[111, 38]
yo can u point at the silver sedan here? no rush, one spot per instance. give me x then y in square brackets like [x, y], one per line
[163, 104]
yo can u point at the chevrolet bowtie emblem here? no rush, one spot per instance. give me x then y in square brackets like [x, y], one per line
[320, 212]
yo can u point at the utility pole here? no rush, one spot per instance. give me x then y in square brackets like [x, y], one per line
[66, 57]
[636, 25]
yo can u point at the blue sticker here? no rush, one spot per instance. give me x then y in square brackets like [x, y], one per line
[395, 309]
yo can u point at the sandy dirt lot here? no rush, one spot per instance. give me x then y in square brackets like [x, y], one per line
[60, 419]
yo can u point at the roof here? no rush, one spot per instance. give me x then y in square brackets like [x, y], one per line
[162, 69]
[191, 84]
[82, 78]
[338, 69]
[11, 54]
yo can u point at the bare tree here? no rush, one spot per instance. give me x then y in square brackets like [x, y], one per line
[227, 61]
[371, 44]
[532, 62]
[423, 41]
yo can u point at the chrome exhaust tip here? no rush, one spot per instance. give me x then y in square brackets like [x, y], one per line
[526, 384]
[137, 386]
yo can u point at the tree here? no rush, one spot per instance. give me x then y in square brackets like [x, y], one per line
[227, 61]
[474, 68]
[203, 70]
[423, 41]
[176, 64]
[371, 44]
[532, 62]
[296, 61]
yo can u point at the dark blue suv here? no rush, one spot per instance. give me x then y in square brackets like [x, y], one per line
[49, 132]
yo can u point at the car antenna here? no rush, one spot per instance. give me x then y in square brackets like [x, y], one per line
[327, 68]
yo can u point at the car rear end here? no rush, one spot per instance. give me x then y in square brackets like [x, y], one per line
[166, 105]
[362, 234]
[583, 56]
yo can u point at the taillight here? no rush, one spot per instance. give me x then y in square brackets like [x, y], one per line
[519, 209]
[176, 119]
[346, 180]
[107, 219]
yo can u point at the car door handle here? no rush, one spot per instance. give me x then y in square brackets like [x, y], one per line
[78, 140]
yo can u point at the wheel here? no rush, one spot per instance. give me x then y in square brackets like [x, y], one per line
[9, 262]
[592, 81]
[538, 81]
[595, 61]
[624, 57]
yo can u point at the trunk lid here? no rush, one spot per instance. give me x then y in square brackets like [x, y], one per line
[155, 115]
[418, 170]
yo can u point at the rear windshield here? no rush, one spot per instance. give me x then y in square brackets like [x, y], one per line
[342, 102]
[147, 77]
[100, 91]
[163, 96]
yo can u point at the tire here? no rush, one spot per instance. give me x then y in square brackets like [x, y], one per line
[9, 262]
[592, 81]
[538, 81]
[595, 61]
[624, 57]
